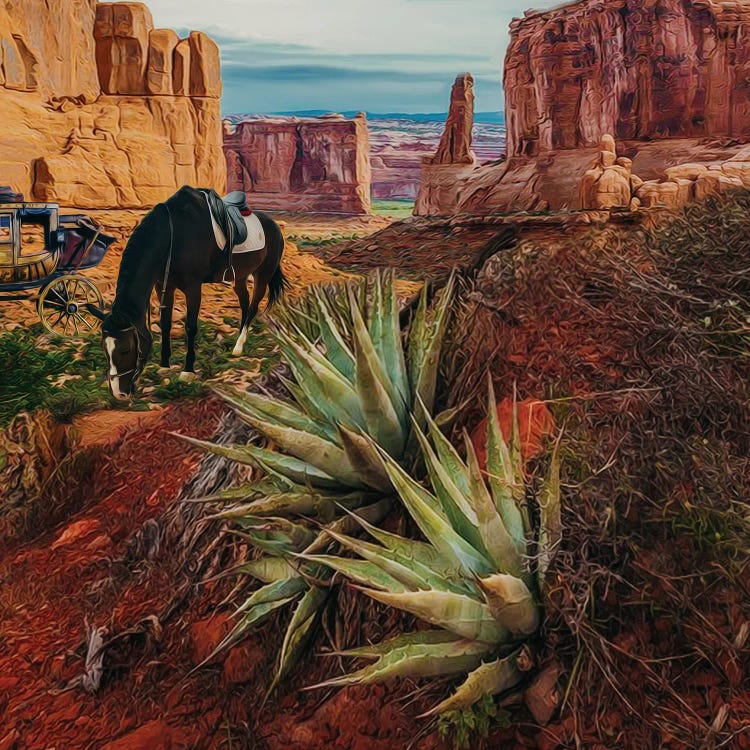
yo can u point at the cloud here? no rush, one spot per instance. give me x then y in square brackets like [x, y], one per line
[393, 54]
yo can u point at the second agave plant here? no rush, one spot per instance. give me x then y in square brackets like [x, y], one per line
[478, 576]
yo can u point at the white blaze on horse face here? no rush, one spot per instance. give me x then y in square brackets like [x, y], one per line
[114, 379]
[240, 345]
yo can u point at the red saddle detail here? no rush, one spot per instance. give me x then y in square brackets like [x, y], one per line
[248, 212]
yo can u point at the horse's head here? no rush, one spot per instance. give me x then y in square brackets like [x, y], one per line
[127, 347]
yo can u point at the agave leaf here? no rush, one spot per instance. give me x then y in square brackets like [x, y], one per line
[455, 612]
[412, 574]
[374, 513]
[426, 374]
[326, 456]
[501, 478]
[243, 492]
[425, 511]
[413, 550]
[497, 541]
[298, 631]
[295, 535]
[456, 505]
[365, 459]
[337, 350]
[298, 471]
[416, 660]
[269, 569]
[381, 404]
[488, 679]
[363, 572]
[273, 593]
[516, 455]
[323, 385]
[417, 342]
[274, 410]
[422, 637]
[284, 504]
[550, 521]
[448, 456]
[511, 603]
[391, 348]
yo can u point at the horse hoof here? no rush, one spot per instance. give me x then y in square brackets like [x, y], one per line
[187, 377]
[163, 371]
[237, 351]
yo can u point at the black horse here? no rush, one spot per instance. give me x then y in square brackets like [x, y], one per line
[175, 247]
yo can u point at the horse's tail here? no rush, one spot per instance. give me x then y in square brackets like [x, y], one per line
[278, 283]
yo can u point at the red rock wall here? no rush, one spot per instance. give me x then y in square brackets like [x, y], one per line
[638, 69]
[308, 165]
[101, 110]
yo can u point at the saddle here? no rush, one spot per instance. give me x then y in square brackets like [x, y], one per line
[228, 214]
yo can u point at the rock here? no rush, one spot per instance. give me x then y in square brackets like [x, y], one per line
[738, 169]
[160, 71]
[543, 696]
[686, 171]
[442, 173]
[301, 164]
[455, 144]
[713, 183]
[205, 68]
[181, 68]
[566, 86]
[609, 184]
[122, 44]
[81, 94]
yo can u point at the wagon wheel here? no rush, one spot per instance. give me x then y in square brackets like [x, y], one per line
[62, 306]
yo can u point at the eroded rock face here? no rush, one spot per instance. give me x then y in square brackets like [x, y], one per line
[101, 110]
[667, 78]
[635, 69]
[310, 165]
[443, 174]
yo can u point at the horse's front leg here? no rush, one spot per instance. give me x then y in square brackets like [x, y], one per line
[240, 289]
[166, 304]
[193, 299]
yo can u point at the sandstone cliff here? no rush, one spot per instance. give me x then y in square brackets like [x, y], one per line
[293, 164]
[100, 110]
[667, 78]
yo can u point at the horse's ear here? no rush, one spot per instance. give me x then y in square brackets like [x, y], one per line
[96, 311]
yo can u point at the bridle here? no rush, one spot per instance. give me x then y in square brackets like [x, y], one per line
[142, 358]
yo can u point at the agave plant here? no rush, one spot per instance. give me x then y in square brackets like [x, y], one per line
[359, 388]
[478, 577]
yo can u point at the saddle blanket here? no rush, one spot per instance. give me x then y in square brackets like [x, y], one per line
[256, 237]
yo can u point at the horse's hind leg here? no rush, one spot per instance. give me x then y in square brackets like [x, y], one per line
[193, 299]
[260, 286]
[240, 289]
[166, 303]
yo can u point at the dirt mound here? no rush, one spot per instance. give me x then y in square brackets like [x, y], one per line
[638, 341]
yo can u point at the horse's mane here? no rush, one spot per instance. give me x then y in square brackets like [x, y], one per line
[151, 238]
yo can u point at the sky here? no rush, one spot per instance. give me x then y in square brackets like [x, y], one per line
[340, 55]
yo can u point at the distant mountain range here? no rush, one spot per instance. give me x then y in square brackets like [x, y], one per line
[497, 118]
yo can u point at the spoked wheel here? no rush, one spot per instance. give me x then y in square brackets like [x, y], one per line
[63, 309]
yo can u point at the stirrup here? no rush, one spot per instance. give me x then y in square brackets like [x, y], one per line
[224, 276]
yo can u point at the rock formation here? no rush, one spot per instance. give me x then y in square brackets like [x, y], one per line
[611, 184]
[101, 110]
[454, 159]
[667, 78]
[301, 164]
